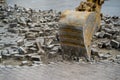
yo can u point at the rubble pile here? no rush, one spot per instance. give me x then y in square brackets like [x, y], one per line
[27, 35]
[106, 41]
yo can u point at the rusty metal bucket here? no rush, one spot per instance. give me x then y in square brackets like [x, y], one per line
[76, 33]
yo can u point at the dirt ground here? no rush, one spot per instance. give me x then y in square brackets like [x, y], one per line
[62, 71]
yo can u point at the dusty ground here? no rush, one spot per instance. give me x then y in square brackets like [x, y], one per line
[62, 71]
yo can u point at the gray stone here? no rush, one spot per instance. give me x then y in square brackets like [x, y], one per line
[101, 45]
[14, 52]
[115, 44]
[12, 25]
[24, 63]
[111, 31]
[99, 34]
[1, 26]
[52, 54]
[50, 46]
[106, 56]
[48, 41]
[12, 30]
[23, 30]
[40, 50]
[117, 56]
[118, 38]
[94, 52]
[19, 57]
[41, 40]
[118, 61]
[55, 48]
[22, 20]
[20, 42]
[30, 35]
[5, 21]
[22, 50]
[41, 33]
[34, 30]
[2, 46]
[101, 55]
[29, 44]
[108, 46]
[6, 56]
[36, 62]
[36, 58]
[107, 35]
[33, 49]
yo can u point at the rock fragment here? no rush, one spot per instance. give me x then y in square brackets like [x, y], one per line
[100, 34]
[115, 44]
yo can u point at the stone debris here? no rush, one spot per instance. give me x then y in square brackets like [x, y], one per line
[26, 35]
[107, 39]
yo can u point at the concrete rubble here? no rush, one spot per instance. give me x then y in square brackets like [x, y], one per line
[27, 35]
[106, 40]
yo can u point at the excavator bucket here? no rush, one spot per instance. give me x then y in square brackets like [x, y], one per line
[77, 28]
[76, 32]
